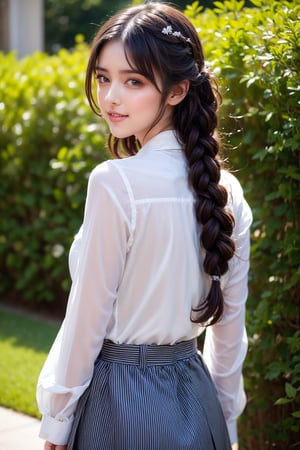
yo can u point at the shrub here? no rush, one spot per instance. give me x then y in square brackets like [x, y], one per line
[255, 53]
[49, 142]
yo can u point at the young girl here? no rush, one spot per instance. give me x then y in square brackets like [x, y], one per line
[162, 255]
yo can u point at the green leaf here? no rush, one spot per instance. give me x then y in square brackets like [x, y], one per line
[282, 401]
[290, 390]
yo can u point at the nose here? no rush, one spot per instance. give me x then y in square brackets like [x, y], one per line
[113, 94]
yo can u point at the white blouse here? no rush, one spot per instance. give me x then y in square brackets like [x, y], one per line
[136, 274]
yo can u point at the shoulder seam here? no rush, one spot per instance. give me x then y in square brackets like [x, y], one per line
[131, 201]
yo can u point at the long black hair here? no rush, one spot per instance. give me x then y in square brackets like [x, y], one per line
[159, 40]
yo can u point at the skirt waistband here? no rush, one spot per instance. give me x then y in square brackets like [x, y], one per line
[147, 355]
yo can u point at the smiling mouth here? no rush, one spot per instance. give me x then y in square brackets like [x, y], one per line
[113, 115]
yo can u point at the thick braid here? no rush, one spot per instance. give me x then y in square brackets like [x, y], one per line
[162, 45]
[201, 150]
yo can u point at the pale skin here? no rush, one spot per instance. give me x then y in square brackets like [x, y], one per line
[130, 104]
[128, 101]
[49, 446]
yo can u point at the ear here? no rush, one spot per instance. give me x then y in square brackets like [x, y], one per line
[178, 92]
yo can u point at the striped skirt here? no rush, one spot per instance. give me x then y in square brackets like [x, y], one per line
[149, 397]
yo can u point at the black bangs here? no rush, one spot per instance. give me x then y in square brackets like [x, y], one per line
[140, 52]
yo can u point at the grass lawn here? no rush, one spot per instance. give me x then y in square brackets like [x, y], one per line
[24, 344]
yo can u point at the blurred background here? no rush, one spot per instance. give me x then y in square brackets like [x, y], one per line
[50, 141]
[30, 25]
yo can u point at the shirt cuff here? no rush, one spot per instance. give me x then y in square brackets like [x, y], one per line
[56, 431]
[232, 430]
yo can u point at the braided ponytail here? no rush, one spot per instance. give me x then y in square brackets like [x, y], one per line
[201, 151]
[161, 43]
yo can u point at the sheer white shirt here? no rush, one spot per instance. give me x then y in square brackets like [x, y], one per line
[136, 274]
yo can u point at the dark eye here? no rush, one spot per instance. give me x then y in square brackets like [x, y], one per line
[101, 78]
[134, 82]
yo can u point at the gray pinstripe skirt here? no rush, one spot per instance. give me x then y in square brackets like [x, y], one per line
[149, 397]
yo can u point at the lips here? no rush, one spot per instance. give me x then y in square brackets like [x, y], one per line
[116, 116]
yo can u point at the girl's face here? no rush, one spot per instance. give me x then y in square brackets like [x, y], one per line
[129, 102]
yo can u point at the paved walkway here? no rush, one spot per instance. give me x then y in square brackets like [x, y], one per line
[18, 432]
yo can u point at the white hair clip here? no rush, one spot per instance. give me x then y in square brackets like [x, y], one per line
[169, 31]
[215, 278]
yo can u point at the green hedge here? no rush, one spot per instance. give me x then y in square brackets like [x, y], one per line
[50, 141]
[255, 53]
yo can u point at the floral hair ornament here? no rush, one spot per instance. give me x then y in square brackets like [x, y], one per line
[203, 75]
[169, 31]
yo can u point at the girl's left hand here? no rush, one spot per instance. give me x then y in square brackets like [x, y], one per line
[50, 446]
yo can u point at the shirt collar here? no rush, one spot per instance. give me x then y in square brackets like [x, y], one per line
[166, 140]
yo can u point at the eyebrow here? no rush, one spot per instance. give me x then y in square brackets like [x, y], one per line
[126, 71]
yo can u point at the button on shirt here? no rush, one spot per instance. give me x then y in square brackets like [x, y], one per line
[136, 274]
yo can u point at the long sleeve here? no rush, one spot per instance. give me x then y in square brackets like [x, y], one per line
[225, 343]
[139, 232]
[101, 258]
